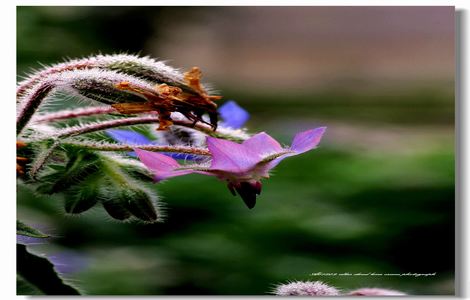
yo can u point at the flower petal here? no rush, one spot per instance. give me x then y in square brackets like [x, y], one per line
[183, 156]
[128, 137]
[263, 143]
[307, 140]
[161, 165]
[233, 115]
[302, 142]
[231, 157]
[134, 138]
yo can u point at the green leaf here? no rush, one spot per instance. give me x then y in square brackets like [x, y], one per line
[26, 230]
[23, 287]
[79, 166]
[39, 273]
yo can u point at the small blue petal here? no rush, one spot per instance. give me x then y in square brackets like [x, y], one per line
[233, 115]
[128, 137]
[183, 156]
[135, 138]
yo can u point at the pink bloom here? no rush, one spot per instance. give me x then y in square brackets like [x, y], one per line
[375, 292]
[241, 165]
[306, 288]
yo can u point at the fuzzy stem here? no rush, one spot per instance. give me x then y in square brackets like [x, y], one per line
[143, 67]
[98, 126]
[31, 105]
[42, 159]
[124, 147]
[29, 83]
[67, 114]
[93, 127]
[92, 85]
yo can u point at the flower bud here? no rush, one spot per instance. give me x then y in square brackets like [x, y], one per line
[123, 201]
[116, 209]
[139, 203]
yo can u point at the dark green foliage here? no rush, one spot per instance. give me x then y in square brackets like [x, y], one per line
[23, 287]
[80, 164]
[37, 274]
[84, 197]
[85, 178]
[26, 230]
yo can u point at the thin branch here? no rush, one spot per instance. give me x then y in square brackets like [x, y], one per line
[96, 85]
[67, 114]
[42, 159]
[29, 83]
[125, 147]
[99, 126]
[29, 107]
[144, 67]
[93, 127]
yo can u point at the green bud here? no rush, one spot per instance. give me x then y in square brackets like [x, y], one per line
[116, 209]
[140, 205]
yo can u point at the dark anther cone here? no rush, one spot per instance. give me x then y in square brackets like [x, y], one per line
[246, 190]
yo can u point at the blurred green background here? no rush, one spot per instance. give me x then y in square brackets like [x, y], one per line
[376, 196]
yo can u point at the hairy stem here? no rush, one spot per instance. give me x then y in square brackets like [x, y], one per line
[124, 147]
[67, 114]
[31, 104]
[91, 85]
[93, 127]
[143, 67]
[29, 83]
[42, 159]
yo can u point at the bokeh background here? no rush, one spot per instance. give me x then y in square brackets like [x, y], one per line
[377, 196]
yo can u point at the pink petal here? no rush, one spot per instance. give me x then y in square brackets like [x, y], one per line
[375, 292]
[161, 165]
[263, 143]
[303, 142]
[307, 140]
[231, 157]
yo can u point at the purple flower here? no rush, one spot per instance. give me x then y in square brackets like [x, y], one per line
[232, 114]
[242, 166]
